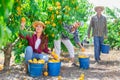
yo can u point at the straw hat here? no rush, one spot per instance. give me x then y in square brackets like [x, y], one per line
[36, 23]
[97, 7]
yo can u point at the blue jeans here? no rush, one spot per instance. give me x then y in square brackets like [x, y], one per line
[98, 41]
[29, 54]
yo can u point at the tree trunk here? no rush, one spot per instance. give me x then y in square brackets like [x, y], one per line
[7, 56]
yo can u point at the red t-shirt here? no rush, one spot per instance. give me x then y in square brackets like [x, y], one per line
[31, 42]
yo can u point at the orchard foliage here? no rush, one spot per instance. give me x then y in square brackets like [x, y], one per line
[52, 12]
[5, 9]
[113, 27]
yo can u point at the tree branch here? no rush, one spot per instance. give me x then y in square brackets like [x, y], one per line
[13, 44]
[3, 50]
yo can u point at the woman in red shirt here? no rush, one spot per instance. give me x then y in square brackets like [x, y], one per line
[37, 43]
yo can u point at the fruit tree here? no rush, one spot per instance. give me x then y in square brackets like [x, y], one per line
[52, 12]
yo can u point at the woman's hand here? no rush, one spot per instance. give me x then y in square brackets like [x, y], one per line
[51, 53]
[23, 25]
[23, 22]
[54, 55]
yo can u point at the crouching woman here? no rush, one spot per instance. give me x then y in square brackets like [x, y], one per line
[37, 43]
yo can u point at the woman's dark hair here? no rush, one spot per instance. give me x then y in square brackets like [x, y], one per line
[44, 41]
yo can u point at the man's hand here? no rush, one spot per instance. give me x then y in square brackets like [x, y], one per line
[72, 29]
[88, 36]
[77, 24]
[105, 37]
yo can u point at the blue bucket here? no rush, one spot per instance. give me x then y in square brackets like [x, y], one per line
[84, 63]
[54, 68]
[35, 70]
[105, 48]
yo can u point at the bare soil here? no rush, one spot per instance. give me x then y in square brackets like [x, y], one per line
[107, 69]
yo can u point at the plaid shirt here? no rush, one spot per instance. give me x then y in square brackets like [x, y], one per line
[98, 26]
[75, 33]
[76, 36]
[68, 29]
